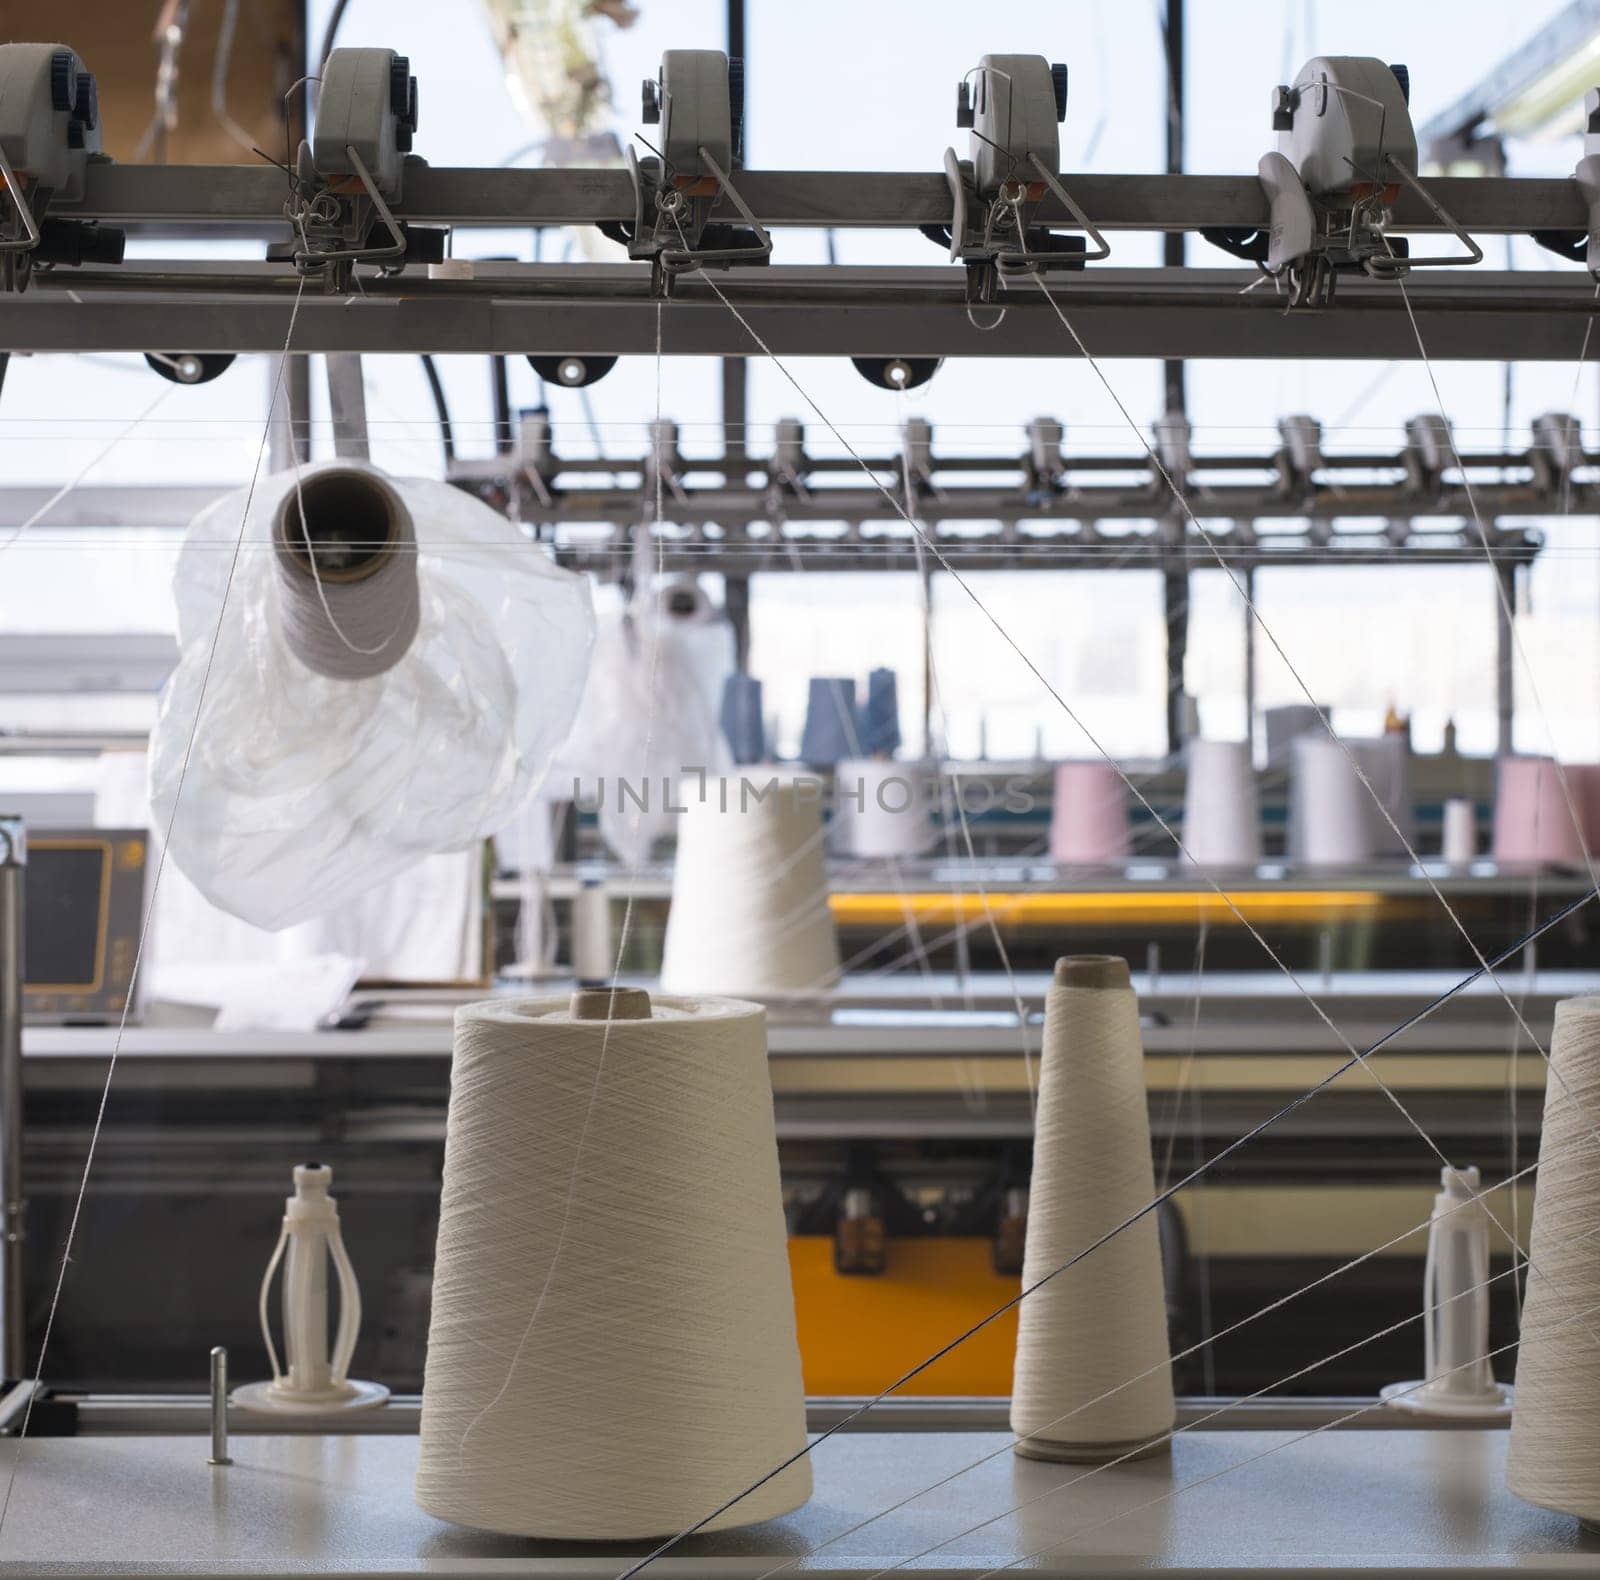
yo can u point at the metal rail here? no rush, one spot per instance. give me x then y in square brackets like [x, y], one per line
[607, 309]
[156, 200]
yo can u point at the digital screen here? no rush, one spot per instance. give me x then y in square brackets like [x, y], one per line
[63, 909]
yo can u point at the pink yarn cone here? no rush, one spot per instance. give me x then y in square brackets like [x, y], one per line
[1532, 821]
[1089, 821]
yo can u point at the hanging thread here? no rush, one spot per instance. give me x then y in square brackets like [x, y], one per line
[1554, 1455]
[883, 808]
[1095, 1325]
[1532, 823]
[346, 554]
[1221, 813]
[1089, 817]
[658, 1373]
[750, 889]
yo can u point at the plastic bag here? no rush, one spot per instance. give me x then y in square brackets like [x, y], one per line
[302, 791]
[649, 717]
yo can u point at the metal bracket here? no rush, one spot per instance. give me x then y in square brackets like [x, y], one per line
[1587, 175]
[994, 197]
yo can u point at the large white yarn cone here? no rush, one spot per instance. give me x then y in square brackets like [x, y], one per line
[750, 889]
[318, 769]
[612, 1350]
[882, 808]
[1331, 816]
[1554, 1456]
[1221, 812]
[1103, 1323]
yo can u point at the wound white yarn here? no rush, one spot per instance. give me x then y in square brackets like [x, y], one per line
[1221, 810]
[1091, 1328]
[1554, 1454]
[883, 808]
[1330, 824]
[350, 606]
[661, 1375]
[750, 889]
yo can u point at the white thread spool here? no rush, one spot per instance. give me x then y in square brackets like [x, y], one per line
[882, 808]
[349, 600]
[1099, 1324]
[655, 1372]
[1554, 1455]
[750, 889]
[593, 954]
[1533, 824]
[1089, 817]
[1330, 821]
[1459, 842]
[1221, 813]
[1387, 764]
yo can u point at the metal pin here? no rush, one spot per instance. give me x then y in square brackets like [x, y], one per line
[219, 1407]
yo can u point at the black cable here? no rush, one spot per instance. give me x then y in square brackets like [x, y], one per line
[503, 441]
[446, 437]
[329, 33]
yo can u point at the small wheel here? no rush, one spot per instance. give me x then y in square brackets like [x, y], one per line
[399, 85]
[86, 103]
[897, 373]
[189, 367]
[63, 80]
[1058, 81]
[736, 107]
[571, 371]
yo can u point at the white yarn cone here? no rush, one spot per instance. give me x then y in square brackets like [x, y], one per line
[882, 808]
[1221, 813]
[1387, 764]
[1554, 1455]
[1459, 842]
[1331, 815]
[1103, 1323]
[750, 889]
[612, 1349]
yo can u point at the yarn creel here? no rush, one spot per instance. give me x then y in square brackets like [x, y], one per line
[1099, 1327]
[612, 1348]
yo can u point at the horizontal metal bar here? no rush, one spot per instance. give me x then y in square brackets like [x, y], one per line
[817, 311]
[172, 198]
[186, 1414]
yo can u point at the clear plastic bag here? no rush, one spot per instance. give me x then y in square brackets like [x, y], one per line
[302, 791]
[656, 679]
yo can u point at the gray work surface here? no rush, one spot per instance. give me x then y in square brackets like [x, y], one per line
[1413, 1500]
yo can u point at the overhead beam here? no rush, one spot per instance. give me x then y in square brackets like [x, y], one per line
[155, 199]
[812, 311]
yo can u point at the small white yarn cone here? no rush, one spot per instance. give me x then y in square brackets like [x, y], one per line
[1221, 812]
[882, 808]
[1102, 1323]
[750, 889]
